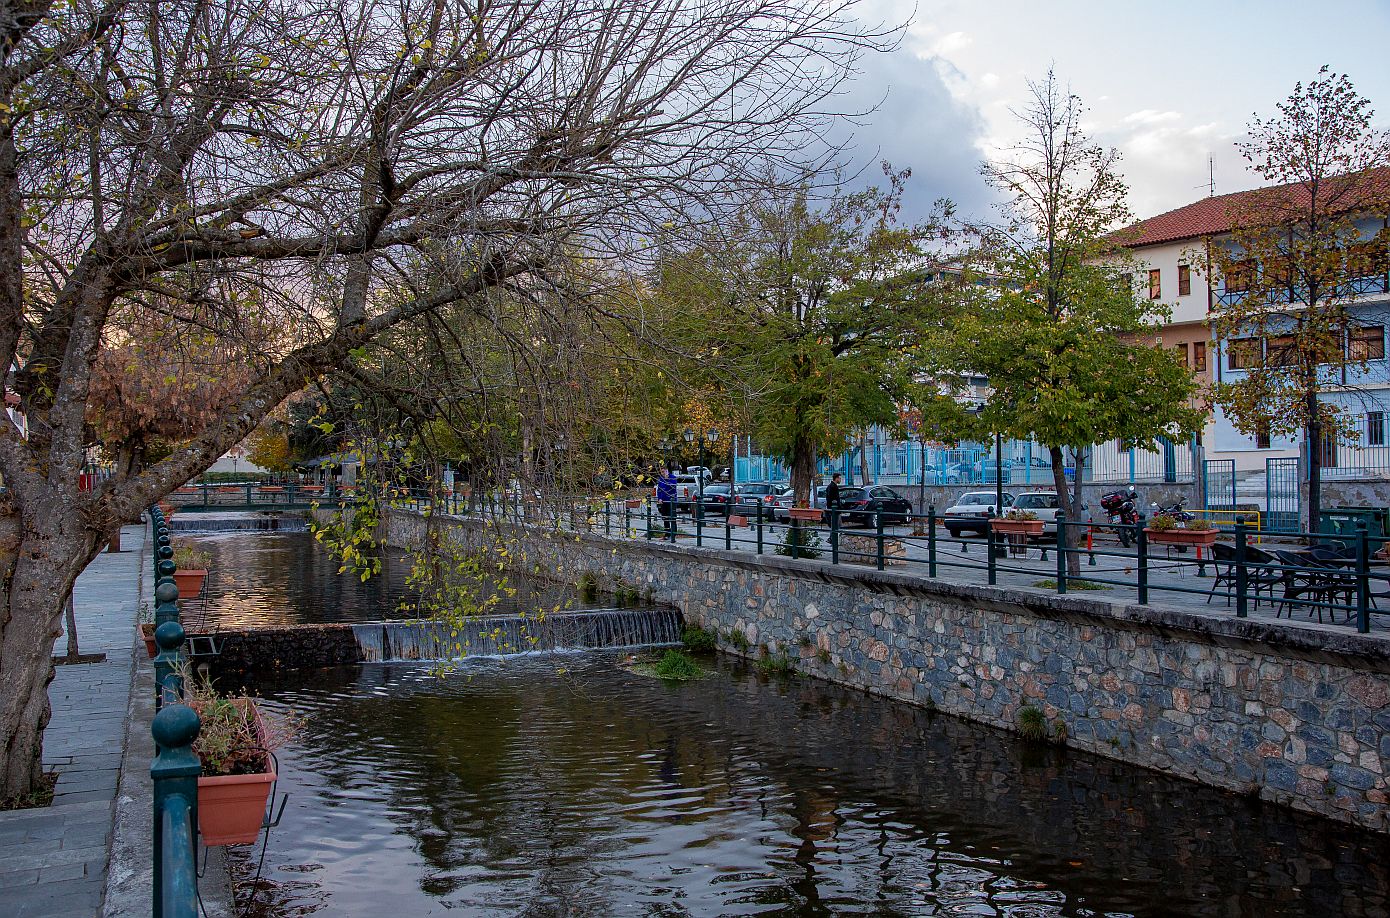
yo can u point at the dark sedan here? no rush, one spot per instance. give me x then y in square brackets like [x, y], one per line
[862, 505]
[715, 499]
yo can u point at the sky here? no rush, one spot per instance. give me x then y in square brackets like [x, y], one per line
[1167, 84]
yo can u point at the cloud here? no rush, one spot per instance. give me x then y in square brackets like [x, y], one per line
[917, 123]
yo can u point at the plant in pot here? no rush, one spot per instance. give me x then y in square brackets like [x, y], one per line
[144, 617]
[192, 570]
[235, 743]
[1018, 522]
[1164, 530]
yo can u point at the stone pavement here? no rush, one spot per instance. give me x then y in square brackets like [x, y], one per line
[53, 861]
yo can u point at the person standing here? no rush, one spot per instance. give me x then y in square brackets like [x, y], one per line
[832, 493]
[666, 498]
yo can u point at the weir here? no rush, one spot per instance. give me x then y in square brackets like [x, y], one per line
[258, 522]
[500, 635]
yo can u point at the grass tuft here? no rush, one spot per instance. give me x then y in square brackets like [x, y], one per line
[1072, 585]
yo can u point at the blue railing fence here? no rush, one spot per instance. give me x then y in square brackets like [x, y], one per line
[176, 767]
[1024, 462]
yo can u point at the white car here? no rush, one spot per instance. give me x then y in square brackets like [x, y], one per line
[1043, 505]
[970, 512]
[782, 503]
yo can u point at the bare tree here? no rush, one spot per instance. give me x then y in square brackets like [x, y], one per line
[207, 170]
[1299, 263]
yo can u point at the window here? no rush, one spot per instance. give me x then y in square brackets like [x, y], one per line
[1366, 342]
[1243, 353]
[1155, 283]
[1328, 453]
[1280, 352]
[1262, 436]
[1375, 428]
[1240, 276]
[1184, 280]
[1182, 353]
[1199, 356]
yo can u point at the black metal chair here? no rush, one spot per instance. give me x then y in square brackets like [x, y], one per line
[1257, 577]
[1322, 578]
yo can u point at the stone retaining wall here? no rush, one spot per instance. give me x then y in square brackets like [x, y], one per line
[1298, 715]
[285, 647]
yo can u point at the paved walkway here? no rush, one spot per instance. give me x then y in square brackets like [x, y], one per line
[53, 861]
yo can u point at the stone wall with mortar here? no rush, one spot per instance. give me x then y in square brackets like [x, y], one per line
[283, 647]
[1295, 714]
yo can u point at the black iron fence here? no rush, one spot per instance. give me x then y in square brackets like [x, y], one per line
[1337, 579]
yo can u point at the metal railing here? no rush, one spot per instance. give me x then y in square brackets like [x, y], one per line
[176, 767]
[1332, 577]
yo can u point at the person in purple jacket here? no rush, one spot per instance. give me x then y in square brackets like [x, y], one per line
[666, 498]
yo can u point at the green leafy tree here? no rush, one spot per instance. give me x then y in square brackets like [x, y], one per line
[1294, 266]
[807, 315]
[1053, 319]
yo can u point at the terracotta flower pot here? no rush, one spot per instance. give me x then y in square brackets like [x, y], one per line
[805, 514]
[190, 583]
[736, 519]
[1202, 537]
[147, 635]
[632, 504]
[1017, 527]
[231, 808]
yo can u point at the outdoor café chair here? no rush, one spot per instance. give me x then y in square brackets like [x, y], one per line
[1257, 577]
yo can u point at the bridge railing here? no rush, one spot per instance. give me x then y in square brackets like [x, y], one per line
[176, 767]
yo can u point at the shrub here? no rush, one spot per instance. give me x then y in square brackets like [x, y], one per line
[1163, 523]
[738, 639]
[1022, 516]
[1050, 584]
[1200, 524]
[677, 665]
[697, 639]
[807, 542]
[588, 587]
[1032, 725]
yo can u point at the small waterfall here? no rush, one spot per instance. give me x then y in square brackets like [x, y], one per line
[498, 635]
[196, 522]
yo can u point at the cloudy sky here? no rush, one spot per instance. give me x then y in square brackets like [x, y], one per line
[1168, 84]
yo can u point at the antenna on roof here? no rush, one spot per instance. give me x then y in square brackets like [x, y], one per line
[1211, 175]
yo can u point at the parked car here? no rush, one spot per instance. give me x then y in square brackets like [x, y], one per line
[863, 505]
[1042, 504]
[782, 503]
[750, 495]
[716, 499]
[984, 469]
[687, 491]
[971, 512]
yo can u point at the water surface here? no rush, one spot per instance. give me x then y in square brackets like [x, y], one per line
[567, 785]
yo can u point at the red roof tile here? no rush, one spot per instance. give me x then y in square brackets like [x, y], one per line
[1218, 214]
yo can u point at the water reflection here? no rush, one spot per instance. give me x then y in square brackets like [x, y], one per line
[569, 786]
[261, 579]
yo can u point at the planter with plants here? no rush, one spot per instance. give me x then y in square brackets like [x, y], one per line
[235, 743]
[1164, 530]
[1018, 522]
[191, 570]
[145, 619]
[805, 514]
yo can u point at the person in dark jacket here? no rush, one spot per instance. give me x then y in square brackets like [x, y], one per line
[832, 493]
[666, 498]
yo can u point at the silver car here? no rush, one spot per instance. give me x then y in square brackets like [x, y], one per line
[971, 512]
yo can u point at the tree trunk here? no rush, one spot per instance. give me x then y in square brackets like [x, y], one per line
[803, 462]
[39, 574]
[1070, 502]
[864, 458]
[1314, 437]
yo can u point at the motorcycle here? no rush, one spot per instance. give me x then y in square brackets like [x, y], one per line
[1176, 511]
[1122, 506]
